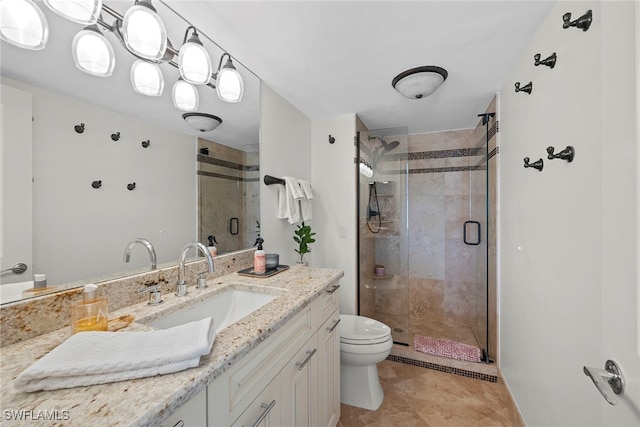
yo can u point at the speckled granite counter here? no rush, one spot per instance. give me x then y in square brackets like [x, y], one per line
[148, 401]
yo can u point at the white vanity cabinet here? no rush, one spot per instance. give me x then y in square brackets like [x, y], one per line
[290, 379]
[192, 414]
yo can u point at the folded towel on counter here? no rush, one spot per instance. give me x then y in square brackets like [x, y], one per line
[89, 358]
[292, 194]
[305, 203]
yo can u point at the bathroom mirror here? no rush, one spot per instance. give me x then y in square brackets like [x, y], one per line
[125, 189]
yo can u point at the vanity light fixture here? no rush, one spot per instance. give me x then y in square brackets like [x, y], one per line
[202, 121]
[419, 82]
[80, 11]
[185, 96]
[23, 24]
[146, 78]
[194, 61]
[143, 31]
[365, 169]
[92, 52]
[229, 84]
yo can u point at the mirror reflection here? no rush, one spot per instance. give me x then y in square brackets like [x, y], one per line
[89, 165]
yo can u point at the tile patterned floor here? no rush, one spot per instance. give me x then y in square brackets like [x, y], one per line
[416, 396]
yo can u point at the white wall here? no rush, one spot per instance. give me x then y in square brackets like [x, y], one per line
[555, 224]
[285, 150]
[16, 243]
[334, 186]
[77, 228]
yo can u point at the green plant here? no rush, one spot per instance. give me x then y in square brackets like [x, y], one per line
[303, 237]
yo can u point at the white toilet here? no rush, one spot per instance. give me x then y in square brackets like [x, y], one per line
[364, 343]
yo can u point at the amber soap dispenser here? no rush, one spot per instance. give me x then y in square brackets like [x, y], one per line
[90, 314]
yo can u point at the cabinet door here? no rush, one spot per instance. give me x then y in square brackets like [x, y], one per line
[329, 371]
[300, 387]
[191, 414]
[265, 410]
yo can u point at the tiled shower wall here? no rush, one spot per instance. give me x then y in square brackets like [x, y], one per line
[228, 186]
[431, 289]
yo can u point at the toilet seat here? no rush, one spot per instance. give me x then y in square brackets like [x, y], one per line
[360, 330]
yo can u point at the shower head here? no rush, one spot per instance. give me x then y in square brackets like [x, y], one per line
[390, 146]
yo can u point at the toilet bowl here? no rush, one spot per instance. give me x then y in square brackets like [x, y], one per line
[364, 343]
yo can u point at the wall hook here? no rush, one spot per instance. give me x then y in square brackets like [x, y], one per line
[331, 139]
[549, 61]
[146, 144]
[584, 22]
[526, 88]
[539, 164]
[566, 154]
[79, 128]
[96, 184]
[115, 136]
[131, 186]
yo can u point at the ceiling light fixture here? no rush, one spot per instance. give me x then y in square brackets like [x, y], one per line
[194, 62]
[419, 82]
[92, 52]
[23, 24]
[144, 32]
[202, 121]
[80, 11]
[229, 84]
[185, 96]
[146, 78]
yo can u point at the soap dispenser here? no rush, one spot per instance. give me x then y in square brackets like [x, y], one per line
[212, 247]
[259, 258]
[90, 314]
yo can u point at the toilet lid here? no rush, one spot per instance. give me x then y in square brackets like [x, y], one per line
[360, 329]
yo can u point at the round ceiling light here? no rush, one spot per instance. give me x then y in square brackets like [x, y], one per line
[419, 82]
[202, 121]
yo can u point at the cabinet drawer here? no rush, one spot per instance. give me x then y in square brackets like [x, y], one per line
[265, 410]
[192, 414]
[266, 360]
[326, 304]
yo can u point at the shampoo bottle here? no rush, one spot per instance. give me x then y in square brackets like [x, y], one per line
[259, 258]
[90, 314]
[212, 247]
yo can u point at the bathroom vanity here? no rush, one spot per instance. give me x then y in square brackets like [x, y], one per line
[279, 365]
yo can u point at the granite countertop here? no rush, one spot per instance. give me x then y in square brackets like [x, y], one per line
[147, 401]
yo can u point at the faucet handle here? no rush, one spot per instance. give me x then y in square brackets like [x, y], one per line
[202, 282]
[155, 296]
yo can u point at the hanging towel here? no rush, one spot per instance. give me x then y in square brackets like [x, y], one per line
[89, 358]
[283, 212]
[305, 204]
[293, 193]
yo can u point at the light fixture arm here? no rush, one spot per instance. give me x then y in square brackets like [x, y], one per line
[186, 33]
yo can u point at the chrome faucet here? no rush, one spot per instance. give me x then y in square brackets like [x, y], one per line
[145, 243]
[181, 286]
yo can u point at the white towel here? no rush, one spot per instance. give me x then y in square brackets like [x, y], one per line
[89, 358]
[305, 204]
[283, 212]
[293, 192]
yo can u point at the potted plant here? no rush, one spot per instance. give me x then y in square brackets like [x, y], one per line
[303, 237]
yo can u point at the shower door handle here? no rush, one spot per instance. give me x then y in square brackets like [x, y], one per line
[464, 233]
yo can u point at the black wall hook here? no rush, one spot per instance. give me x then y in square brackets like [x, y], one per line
[566, 154]
[96, 184]
[539, 164]
[131, 186]
[115, 136]
[584, 22]
[549, 61]
[79, 128]
[146, 144]
[526, 88]
[331, 139]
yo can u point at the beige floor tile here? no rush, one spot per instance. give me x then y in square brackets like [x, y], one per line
[416, 396]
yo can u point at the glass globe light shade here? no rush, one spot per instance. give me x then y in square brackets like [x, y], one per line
[194, 62]
[23, 24]
[185, 96]
[81, 11]
[146, 78]
[144, 32]
[92, 52]
[229, 84]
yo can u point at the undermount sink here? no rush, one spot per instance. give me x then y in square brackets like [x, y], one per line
[226, 308]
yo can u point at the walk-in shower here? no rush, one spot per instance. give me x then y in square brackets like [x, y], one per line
[422, 237]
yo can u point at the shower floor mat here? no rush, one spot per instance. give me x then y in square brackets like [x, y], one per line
[447, 348]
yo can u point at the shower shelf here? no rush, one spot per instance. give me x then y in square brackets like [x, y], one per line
[382, 276]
